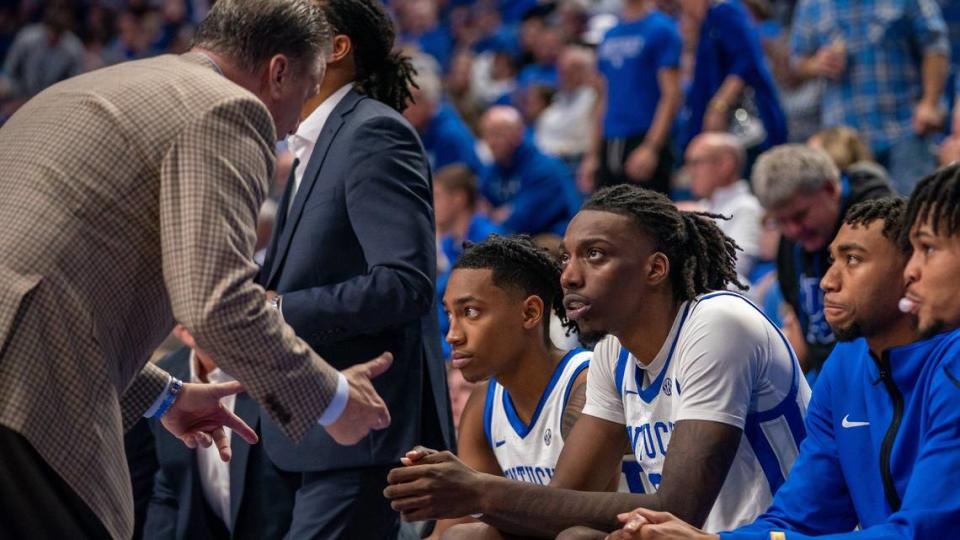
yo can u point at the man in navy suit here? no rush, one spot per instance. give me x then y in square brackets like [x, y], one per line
[352, 269]
[191, 493]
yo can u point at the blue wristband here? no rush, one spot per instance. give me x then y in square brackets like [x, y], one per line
[175, 386]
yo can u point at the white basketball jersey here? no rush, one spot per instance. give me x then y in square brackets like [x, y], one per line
[723, 361]
[529, 452]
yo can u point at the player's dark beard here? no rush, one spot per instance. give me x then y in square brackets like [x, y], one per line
[937, 327]
[848, 333]
[590, 339]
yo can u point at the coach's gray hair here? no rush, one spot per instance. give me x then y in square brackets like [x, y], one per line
[249, 32]
[790, 169]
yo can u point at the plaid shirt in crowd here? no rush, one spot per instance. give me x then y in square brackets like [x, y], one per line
[885, 41]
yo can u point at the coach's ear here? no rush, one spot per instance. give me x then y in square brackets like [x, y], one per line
[658, 268]
[532, 312]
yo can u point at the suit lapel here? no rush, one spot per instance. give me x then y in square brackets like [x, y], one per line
[278, 224]
[327, 135]
[247, 410]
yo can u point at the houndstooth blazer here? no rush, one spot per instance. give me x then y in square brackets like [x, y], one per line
[128, 200]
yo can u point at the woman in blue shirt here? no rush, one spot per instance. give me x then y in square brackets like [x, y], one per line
[730, 60]
[639, 60]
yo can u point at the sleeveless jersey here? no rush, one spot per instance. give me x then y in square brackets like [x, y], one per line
[723, 361]
[529, 452]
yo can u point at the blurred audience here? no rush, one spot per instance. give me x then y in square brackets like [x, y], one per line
[884, 66]
[715, 162]
[639, 59]
[732, 88]
[564, 128]
[531, 192]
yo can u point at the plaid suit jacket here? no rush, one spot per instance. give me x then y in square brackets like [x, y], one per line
[129, 200]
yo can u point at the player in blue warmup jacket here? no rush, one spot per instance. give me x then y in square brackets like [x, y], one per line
[499, 299]
[883, 427]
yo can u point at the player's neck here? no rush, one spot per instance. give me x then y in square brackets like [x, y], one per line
[646, 334]
[527, 382]
[901, 332]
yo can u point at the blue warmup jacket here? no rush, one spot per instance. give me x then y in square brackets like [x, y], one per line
[882, 449]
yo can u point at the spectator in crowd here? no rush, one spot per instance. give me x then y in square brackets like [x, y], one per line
[42, 54]
[534, 99]
[455, 199]
[419, 25]
[731, 74]
[191, 493]
[802, 189]
[715, 162]
[643, 272]
[844, 146]
[363, 192]
[531, 192]
[445, 137]
[545, 49]
[494, 77]
[878, 460]
[529, 393]
[564, 129]
[640, 96]
[884, 65]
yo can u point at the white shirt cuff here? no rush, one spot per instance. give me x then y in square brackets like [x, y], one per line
[338, 404]
[159, 401]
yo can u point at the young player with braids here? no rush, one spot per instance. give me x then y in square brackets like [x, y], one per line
[691, 377]
[498, 300]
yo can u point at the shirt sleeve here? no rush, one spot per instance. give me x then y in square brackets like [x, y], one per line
[804, 40]
[717, 362]
[672, 46]
[930, 28]
[603, 396]
[735, 30]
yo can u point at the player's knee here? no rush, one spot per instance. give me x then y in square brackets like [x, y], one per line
[471, 531]
[581, 533]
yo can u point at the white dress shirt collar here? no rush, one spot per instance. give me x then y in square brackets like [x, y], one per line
[309, 130]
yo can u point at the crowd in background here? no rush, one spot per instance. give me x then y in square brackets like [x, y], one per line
[525, 106]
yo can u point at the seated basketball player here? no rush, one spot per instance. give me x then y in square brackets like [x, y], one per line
[703, 388]
[498, 300]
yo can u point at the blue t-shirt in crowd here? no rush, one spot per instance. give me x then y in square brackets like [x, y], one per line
[540, 188]
[448, 140]
[630, 58]
[729, 45]
[480, 228]
[539, 75]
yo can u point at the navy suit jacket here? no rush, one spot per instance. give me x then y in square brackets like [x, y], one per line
[261, 496]
[355, 263]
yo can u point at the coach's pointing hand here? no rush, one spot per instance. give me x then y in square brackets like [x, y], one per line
[365, 409]
[434, 485]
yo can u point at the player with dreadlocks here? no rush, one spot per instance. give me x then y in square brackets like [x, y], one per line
[883, 427]
[499, 299]
[692, 378]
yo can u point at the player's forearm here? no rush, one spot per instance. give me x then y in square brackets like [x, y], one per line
[543, 512]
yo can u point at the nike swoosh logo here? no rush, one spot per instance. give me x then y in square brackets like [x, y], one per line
[498, 444]
[848, 424]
